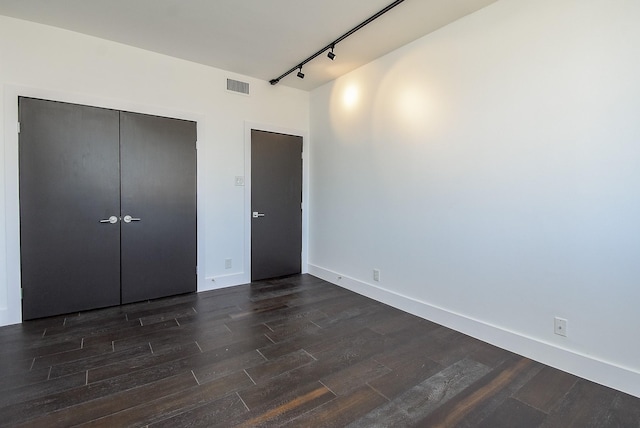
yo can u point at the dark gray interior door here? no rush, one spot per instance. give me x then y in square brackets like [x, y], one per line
[107, 207]
[276, 204]
[159, 194]
[69, 188]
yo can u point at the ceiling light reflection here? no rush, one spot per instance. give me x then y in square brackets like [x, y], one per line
[412, 108]
[350, 96]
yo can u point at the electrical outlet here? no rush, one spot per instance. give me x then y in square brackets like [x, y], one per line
[227, 263]
[376, 275]
[560, 326]
[239, 180]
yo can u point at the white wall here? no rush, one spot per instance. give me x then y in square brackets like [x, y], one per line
[491, 171]
[46, 62]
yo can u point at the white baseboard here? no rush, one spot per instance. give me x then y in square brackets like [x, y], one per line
[8, 318]
[599, 371]
[223, 281]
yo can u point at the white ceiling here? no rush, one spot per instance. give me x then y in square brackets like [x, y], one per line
[258, 38]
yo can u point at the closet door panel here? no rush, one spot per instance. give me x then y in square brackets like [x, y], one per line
[69, 182]
[158, 181]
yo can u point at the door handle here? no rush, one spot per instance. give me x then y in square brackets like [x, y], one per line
[129, 219]
[256, 214]
[113, 220]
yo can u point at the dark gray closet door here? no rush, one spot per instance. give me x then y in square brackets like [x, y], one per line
[69, 183]
[276, 198]
[159, 192]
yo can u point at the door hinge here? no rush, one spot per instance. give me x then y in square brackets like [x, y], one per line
[196, 144]
[18, 127]
[21, 293]
[196, 270]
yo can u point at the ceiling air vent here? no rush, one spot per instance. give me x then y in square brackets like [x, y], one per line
[238, 86]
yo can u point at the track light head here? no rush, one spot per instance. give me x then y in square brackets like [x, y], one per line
[300, 73]
[331, 55]
[274, 81]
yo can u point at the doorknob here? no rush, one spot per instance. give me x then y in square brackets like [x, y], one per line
[113, 220]
[129, 219]
[256, 214]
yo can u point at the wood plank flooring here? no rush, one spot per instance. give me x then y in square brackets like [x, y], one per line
[294, 351]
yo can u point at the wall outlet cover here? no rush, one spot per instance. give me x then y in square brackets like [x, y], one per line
[560, 326]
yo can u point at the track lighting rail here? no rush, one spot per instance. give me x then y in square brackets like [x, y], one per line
[334, 43]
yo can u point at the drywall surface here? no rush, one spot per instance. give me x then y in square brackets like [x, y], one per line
[491, 172]
[45, 62]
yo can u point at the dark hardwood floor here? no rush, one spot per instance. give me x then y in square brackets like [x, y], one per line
[289, 352]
